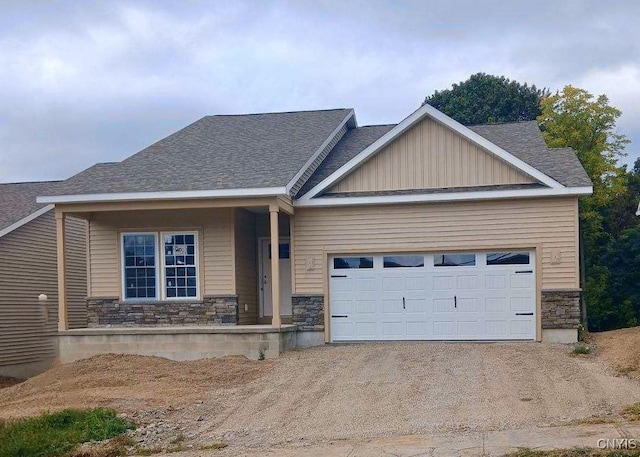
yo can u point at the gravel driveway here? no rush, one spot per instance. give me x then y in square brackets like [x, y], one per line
[380, 389]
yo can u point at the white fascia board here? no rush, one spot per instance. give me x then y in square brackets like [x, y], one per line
[444, 197]
[25, 220]
[177, 195]
[410, 121]
[315, 155]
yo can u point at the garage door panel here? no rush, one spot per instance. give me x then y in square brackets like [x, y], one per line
[415, 283]
[393, 284]
[443, 282]
[423, 301]
[467, 305]
[341, 306]
[497, 329]
[367, 284]
[468, 329]
[496, 281]
[366, 307]
[521, 281]
[442, 329]
[416, 306]
[496, 304]
[467, 282]
[443, 305]
[522, 304]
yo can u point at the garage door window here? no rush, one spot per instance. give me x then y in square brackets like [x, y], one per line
[399, 261]
[508, 258]
[346, 263]
[454, 260]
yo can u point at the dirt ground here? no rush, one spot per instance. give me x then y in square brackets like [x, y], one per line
[127, 383]
[620, 349]
[332, 392]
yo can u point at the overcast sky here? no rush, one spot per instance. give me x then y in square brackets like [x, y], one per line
[84, 82]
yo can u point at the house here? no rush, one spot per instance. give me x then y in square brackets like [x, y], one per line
[28, 326]
[255, 233]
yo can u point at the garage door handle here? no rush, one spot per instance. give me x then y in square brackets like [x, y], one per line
[403, 303]
[524, 314]
[455, 301]
[524, 271]
[337, 315]
[338, 276]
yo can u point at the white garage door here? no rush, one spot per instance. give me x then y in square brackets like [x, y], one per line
[441, 296]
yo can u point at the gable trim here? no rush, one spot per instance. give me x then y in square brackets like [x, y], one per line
[325, 143]
[25, 220]
[175, 195]
[444, 197]
[410, 121]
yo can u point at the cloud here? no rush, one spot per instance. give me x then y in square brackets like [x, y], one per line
[98, 83]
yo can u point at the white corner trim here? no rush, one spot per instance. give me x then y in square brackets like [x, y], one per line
[294, 180]
[411, 120]
[25, 220]
[444, 197]
[638, 210]
[176, 195]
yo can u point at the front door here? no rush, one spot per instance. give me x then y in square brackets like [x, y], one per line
[266, 308]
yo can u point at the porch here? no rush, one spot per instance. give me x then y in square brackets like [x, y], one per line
[184, 279]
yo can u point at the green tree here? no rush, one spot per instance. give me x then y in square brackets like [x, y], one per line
[487, 99]
[577, 119]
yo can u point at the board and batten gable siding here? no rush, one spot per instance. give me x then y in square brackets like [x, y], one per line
[551, 224]
[215, 235]
[246, 266]
[29, 269]
[430, 155]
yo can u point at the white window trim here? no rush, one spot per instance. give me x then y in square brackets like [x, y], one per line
[196, 265]
[161, 292]
[123, 267]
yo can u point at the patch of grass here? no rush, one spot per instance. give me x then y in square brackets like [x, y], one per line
[148, 450]
[212, 446]
[261, 355]
[631, 413]
[576, 452]
[115, 447]
[581, 349]
[58, 434]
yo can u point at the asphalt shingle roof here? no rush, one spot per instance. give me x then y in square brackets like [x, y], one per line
[267, 150]
[18, 200]
[524, 140]
[216, 152]
[350, 145]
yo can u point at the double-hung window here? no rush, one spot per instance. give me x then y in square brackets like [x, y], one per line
[160, 265]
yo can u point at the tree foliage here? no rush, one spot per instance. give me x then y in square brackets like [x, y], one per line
[487, 99]
[577, 119]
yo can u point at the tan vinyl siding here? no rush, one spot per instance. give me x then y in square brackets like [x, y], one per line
[430, 155]
[246, 266]
[549, 224]
[316, 163]
[28, 270]
[76, 274]
[215, 233]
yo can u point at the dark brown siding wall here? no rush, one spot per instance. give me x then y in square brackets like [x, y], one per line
[28, 269]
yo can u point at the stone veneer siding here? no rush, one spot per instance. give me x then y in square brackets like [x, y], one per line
[308, 312]
[212, 310]
[560, 309]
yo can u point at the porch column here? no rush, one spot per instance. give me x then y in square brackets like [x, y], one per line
[63, 323]
[275, 266]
